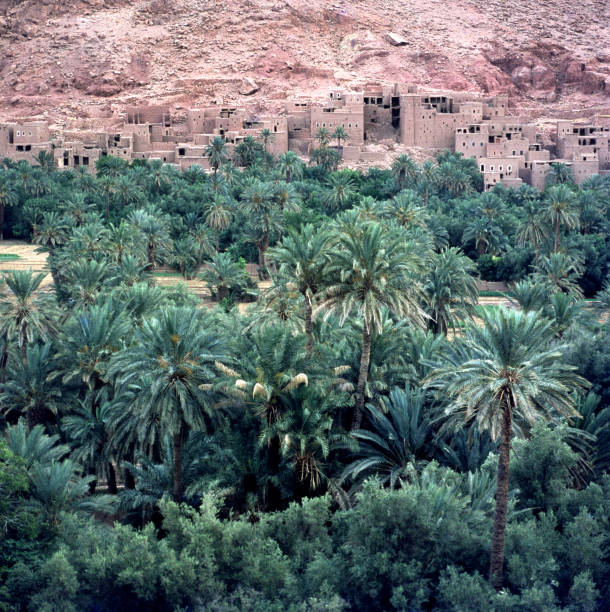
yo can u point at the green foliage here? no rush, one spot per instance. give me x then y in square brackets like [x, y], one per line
[225, 436]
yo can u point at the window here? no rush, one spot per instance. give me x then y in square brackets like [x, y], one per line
[85, 161]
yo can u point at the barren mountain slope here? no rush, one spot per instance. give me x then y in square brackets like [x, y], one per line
[97, 57]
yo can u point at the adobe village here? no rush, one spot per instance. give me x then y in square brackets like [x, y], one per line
[508, 148]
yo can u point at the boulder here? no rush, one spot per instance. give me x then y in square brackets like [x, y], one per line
[395, 39]
[543, 77]
[248, 87]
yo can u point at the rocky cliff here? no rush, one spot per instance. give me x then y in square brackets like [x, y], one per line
[95, 58]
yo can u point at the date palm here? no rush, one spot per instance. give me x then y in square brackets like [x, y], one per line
[262, 208]
[401, 432]
[405, 171]
[8, 197]
[222, 275]
[532, 229]
[340, 135]
[508, 376]
[560, 211]
[342, 188]
[450, 289]
[301, 258]
[560, 272]
[217, 154]
[290, 166]
[27, 390]
[26, 313]
[370, 269]
[218, 216]
[173, 358]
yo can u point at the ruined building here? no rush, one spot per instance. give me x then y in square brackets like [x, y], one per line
[506, 147]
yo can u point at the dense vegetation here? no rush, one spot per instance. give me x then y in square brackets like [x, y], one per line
[364, 436]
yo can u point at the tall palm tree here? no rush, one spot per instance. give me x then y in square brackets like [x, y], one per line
[371, 268]
[405, 208]
[428, 179]
[26, 313]
[405, 171]
[290, 166]
[509, 376]
[322, 135]
[261, 206]
[532, 229]
[218, 216]
[560, 211]
[301, 258]
[266, 136]
[174, 359]
[450, 289]
[340, 135]
[217, 154]
[8, 197]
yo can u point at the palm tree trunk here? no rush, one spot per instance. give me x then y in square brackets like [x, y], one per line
[1, 221]
[308, 325]
[556, 248]
[365, 360]
[177, 490]
[112, 488]
[496, 562]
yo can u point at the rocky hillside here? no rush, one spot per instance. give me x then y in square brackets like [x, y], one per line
[93, 58]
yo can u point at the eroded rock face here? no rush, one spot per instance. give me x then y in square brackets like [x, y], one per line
[79, 57]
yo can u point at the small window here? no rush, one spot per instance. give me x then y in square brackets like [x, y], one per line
[85, 161]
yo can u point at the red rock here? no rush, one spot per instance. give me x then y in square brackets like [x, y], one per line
[543, 77]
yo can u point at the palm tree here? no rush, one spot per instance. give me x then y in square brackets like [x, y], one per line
[591, 210]
[486, 235]
[86, 428]
[8, 197]
[267, 136]
[531, 230]
[127, 191]
[450, 289]
[401, 434]
[340, 135]
[301, 258]
[53, 231]
[86, 278]
[405, 171]
[454, 179]
[370, 269]
[123, 241]
[322, 135]
[28, 391]
[559, 174]
[33, 445]
[261, 206]
[218, 216]
[173, 360]
[45, 160]
[26, 313]
[529, 295]
[405, 208]
[217, 154]
[247, 152]
[107, 186]
[342, 187]
[154, 227]
[34, 216]
[290, 166]
[559, 210]
[560, 272]
[428, 179]
[509, 375]
[222, 275]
